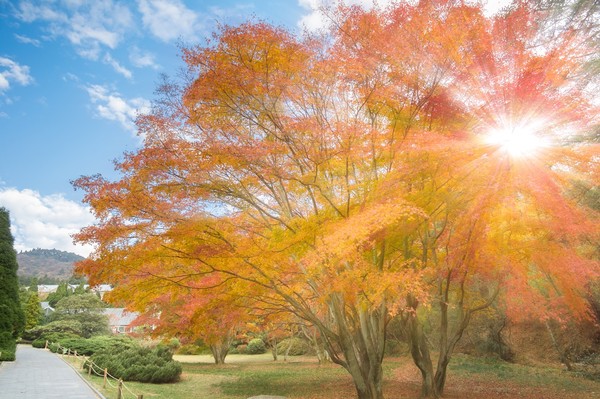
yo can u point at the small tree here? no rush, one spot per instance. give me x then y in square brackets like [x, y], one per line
[33, 311]
[62, 291]
[80, 289]
[86, 309]
[33, 286]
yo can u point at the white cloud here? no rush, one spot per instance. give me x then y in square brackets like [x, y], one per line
[45, 221]
[11, 71]
[28, 40]
[169, 19]
[88, 25]
[32, 11]
[492, 8]
[4, 84]
[116, 66]
[316, 20]
[110, 105]
[142, 59]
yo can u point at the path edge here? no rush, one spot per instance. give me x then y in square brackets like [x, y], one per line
[89, 384]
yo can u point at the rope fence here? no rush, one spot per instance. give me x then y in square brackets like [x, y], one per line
[123, 392]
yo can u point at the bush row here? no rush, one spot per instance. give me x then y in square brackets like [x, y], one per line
[123, 356]
[87, 346]
[155, 365]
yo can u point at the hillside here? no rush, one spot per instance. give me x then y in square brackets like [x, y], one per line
[50, 263]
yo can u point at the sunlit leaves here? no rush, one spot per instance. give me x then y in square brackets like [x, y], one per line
[346, 177]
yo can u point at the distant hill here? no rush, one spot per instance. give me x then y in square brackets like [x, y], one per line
[48, 265]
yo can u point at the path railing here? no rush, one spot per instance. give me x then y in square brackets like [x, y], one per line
[122, 391]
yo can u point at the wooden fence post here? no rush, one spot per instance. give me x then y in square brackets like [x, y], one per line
[46, 347]
[120, 389]
[105, 377]
[90, 368]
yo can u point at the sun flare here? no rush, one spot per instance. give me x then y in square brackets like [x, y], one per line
[518, 141]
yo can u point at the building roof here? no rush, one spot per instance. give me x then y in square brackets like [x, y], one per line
[54, 287]
[120, 316]
[47, 288]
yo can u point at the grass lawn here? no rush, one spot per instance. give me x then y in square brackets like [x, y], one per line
[303, 378]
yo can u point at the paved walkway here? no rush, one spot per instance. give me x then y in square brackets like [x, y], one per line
[39, 374]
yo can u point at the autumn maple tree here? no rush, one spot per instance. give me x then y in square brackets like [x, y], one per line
[348, 178]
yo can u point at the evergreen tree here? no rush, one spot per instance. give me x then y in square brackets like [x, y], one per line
[33, 311]
[86, 309]
[12, 319]
[62, 291]
[33, 287]
[80, 289]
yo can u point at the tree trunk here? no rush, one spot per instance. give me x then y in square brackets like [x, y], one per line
[563, 356]
[439, 379]
[322, 354]
[219, 352]
[419, 351]
[289, 347]
[274, 350]
[361, 339]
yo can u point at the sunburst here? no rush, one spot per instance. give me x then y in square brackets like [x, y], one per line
[519, 140]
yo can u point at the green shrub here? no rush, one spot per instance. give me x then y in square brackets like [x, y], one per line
[39, 343]
[173, 344]
[242, 349]
[8, 355]
[256, 346]
[92, 345]
[53, 338]
[8, 347]
[190, 349]
[65, 327]
[54, 347]
[141, 364]
[296, 346]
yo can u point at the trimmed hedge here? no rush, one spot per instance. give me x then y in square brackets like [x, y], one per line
[52, 337]
[155, 365]
[92, 345]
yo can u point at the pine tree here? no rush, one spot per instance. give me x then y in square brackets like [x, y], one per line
[12, 319]
[62, 291]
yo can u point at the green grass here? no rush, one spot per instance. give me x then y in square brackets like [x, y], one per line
[241, 380]
[295, 379]
[496, 369]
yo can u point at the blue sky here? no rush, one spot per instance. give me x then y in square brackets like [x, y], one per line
[73, 76]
